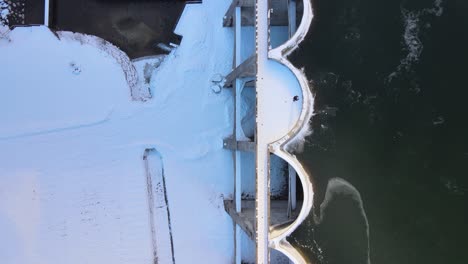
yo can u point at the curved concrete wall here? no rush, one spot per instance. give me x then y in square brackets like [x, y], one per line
[296, 134]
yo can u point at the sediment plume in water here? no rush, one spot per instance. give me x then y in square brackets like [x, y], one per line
[342, 229]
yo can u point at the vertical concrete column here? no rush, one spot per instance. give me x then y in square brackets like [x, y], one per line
[238, 132]
[291, 172]
[292, 187]
[262, 152]
[292, 17]
[46, 13]
[238, 99]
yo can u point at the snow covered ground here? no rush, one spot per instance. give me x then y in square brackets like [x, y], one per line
[138, 90]
[72, 179]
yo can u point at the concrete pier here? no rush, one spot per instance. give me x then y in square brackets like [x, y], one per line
[246, 218]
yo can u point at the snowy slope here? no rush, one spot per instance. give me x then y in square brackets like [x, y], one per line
[72, 180]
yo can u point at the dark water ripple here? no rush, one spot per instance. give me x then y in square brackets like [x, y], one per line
[394, 71]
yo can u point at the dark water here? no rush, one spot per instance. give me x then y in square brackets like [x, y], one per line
[21, 12]
[135, 26]
[395, 72]
[25, 12]
[33, 12]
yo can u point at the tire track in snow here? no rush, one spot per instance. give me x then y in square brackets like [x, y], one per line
[58, 130]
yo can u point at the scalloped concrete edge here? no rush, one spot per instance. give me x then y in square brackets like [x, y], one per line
[278, 235]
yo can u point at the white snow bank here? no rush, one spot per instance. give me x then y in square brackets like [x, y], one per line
[72, 179]
[138, 91]
[145, 68]
[4, 33]
[48, 85]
